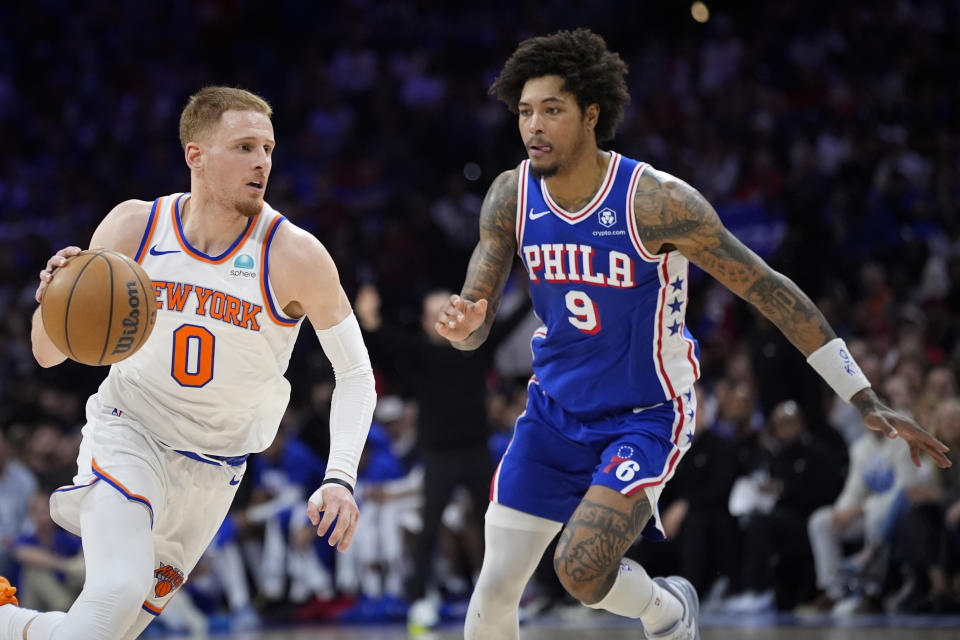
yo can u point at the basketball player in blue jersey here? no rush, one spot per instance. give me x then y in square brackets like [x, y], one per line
[606, 242]
[169, 430]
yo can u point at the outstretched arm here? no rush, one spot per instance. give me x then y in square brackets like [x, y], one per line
[467, 318]
[673, 215]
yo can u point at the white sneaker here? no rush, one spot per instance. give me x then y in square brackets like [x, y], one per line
[423, 616]
[687, 627]
[751, 603]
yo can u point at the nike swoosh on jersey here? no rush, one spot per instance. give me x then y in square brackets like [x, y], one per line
[534, 216]
[155, 252]
[236, 480]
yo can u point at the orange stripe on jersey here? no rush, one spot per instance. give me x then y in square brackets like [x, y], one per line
[116, 484]
[148, 233]
[272, 310]
[199, 255]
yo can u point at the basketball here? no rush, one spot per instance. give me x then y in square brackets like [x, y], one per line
[99, 308]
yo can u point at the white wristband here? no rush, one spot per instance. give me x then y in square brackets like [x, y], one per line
[835, 365]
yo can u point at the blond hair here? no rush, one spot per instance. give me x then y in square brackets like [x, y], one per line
[205, 107]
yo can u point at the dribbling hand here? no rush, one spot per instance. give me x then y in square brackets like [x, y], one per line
[56, 261]
[338, 504]
[460, 317]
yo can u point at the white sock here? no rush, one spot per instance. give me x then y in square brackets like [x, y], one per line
[635, 595]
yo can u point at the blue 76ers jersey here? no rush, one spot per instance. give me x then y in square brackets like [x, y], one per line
[614, 335]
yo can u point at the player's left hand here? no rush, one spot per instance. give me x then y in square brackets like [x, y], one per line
[896, 425]
[336, 503]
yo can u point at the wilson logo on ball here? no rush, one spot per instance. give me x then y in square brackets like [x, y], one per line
[131, 323]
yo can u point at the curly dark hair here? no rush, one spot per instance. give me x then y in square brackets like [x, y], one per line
[590, 71]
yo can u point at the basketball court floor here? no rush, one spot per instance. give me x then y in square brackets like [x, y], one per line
[603, 627]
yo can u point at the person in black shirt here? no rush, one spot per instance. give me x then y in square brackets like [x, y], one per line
[450, 388]
[804, 474]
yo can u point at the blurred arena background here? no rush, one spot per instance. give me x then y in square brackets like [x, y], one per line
[826, 134]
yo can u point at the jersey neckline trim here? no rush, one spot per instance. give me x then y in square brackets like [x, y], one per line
[199, 255]
[591, 206]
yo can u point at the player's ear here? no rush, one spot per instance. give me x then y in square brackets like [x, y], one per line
[590, 116]
[193, 154]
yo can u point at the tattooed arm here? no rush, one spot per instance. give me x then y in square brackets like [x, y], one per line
[467, 318]
[673, 215]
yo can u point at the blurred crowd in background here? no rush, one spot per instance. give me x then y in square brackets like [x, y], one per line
[826, 134]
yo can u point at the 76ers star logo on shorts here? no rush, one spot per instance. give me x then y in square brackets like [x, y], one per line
[169, 578]
[624, 453]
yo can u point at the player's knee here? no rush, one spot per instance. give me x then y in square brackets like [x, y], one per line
[120, 592]
[498, 588]
[588, 585]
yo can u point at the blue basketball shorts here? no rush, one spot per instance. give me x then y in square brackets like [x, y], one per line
[555, 457]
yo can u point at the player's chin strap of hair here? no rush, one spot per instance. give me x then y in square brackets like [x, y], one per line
[354, 397]
[835, 365]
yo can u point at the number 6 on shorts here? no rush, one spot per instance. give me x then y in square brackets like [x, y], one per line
[192, 364]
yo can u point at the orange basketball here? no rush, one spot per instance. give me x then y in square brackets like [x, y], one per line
[99, 308]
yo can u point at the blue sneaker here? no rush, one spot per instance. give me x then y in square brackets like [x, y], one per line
[687, 627]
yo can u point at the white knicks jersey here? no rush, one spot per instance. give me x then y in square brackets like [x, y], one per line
[210, 377]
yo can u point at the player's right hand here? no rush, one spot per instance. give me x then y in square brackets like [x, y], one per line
[332, 502]
[460, 317]
[56, 261]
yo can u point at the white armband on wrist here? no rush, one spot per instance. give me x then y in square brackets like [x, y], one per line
[835, 365]
[354, 396]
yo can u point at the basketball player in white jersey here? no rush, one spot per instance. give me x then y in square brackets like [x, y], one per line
[169, 430]
[606, 242]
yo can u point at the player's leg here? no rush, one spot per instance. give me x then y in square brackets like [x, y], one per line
[536, 487]
[591, 566]
[204, 493]
[118, 549]
[514, 542]
[140, 623]
[619, 507]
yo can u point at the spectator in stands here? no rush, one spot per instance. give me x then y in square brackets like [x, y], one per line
[17, 485]
[804, 474]
[49, 559]
[880, 469]
[928, 534]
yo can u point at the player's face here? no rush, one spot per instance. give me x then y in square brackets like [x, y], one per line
[552, 125]
[239, 159]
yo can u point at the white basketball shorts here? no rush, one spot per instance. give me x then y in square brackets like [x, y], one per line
[187, 497]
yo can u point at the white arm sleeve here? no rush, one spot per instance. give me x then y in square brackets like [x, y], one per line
[354, 397]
